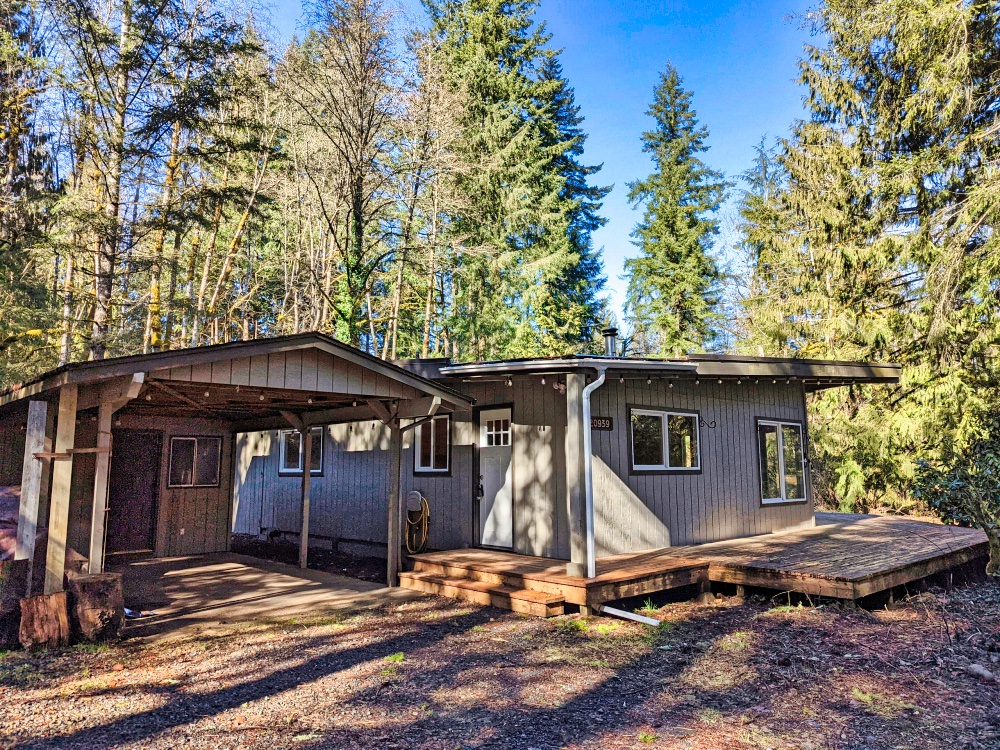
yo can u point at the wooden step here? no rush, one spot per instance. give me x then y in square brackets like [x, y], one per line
[473, 573]
[537, 603]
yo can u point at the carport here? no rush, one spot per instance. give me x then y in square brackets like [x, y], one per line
[135, 454]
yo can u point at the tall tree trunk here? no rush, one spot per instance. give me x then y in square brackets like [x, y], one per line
[107, 250]
[66, 348]
[154, 326]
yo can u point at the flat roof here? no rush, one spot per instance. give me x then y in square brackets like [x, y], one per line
[819, 373]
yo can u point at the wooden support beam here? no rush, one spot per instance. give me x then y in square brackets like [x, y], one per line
[419, 407]
[99, 505]
[294, 420]
[31, 486]
[182, 397]
[62, 476]
[307, 447]
[395, 504]
[381, 411]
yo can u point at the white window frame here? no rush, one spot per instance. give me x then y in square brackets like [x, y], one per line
[783, 500]
[316, 446]
[664, 416]
[417, 445]
[194, 464]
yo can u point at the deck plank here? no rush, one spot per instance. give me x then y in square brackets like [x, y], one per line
[843, 556]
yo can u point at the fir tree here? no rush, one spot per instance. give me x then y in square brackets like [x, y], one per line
[882, 242]
[673, 292]
[512, 232]
[572, 308]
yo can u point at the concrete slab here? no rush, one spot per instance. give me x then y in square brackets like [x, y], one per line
[203, 593]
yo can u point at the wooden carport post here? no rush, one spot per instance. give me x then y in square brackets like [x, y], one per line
[394, 536]
[300, 423]
[31, 486]
[62, 476]
[112, 397]
[307, 443]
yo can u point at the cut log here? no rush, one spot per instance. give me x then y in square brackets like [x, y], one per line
[45, 621]
[97, 607]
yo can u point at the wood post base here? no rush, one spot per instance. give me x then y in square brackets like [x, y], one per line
[45, 621]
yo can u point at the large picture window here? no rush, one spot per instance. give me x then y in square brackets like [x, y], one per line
[194, 462]
[432, 449]
[782, 462]
[293, 448]
[664, 441]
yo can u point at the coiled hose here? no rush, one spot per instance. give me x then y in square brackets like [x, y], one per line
[418, 523]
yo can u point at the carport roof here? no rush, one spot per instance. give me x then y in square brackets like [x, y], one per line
[98, 370]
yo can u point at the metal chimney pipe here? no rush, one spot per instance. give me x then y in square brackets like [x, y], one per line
[610, 342]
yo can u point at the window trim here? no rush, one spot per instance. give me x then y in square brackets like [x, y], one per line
[286, 472]
[779, 423]
[663, 413]
[194, 465]
[419, 470]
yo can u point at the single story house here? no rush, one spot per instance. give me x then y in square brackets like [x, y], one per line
[571, 458]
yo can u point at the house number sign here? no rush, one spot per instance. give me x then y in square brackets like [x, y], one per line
[602, 423]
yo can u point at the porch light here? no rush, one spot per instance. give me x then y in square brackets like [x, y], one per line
[649, 381]
[510, 381]
[621, 378]
[720, 381]
[697, 381]
[670, 383]
[207, 394]
[543, 380]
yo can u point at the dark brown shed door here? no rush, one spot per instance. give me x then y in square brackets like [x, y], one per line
[133, 490]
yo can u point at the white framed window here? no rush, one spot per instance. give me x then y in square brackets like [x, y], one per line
[194, 462]
[292, 448]
[664, 440]
[432, 446]
[781, 455]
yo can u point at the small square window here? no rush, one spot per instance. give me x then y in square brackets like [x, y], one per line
[293, 448]
[194, 462]
[664, 441]
[432, 451]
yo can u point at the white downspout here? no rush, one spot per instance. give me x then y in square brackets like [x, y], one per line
[588, 473]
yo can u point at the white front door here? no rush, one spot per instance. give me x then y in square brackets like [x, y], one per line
[496, 485]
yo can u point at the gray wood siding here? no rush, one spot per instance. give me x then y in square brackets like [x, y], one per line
[632, 511]
[300, 369]
[644, 511]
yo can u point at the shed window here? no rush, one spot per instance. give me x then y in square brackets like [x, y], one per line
[194, 461]
[782, 461]
[293, 448]
[433, 445]
[664, 441]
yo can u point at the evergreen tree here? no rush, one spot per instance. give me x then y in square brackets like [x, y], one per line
[673, 292]
[571, 309]
[27, 190]
[881, 244]
[511, 234]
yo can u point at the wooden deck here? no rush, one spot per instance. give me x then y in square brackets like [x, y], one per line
[844, 556]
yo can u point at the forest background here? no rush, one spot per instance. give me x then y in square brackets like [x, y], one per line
[171, 177]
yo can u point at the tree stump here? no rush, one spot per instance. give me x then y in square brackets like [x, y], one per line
[97, 606]
[44, 621]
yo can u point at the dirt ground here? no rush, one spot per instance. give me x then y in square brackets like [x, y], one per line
[435, 673]
[366, 568]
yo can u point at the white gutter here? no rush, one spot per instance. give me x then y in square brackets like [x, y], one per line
[588, 473]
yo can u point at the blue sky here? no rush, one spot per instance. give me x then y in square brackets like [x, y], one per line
[738, 58]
